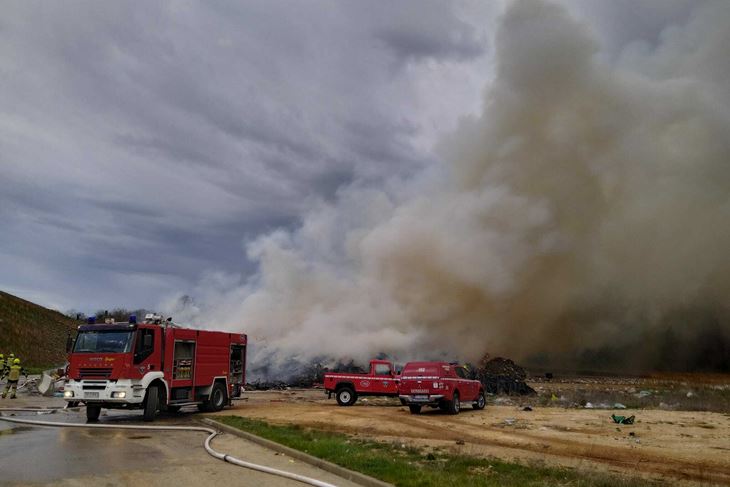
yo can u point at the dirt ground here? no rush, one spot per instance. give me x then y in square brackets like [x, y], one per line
[687, 447]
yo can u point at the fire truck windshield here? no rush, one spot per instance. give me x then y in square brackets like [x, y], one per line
[112, 341]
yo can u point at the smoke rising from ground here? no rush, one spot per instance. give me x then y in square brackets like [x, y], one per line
[587, 207]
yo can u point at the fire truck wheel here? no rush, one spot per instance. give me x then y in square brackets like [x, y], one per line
[415, 408]
[92, 413]
[150, 407]
[345, 396]
[218, 397]
[481, 401]
[454, 404]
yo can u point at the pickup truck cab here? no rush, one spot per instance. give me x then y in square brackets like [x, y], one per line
[381, 380]
[439, 385]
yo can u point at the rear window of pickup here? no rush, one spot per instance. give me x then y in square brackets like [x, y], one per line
[425, 370]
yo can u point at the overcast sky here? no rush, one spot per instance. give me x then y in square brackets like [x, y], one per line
[143, 145]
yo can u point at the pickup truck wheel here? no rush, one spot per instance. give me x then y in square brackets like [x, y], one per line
[481, 401]
[150, 407]
[415, 408]
[454, 404]
[92, 413]
[345, 396]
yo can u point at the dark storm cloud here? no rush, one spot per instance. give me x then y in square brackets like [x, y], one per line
[145, 145]
[141, 147]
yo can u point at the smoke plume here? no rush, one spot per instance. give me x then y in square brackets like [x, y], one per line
[585, 212]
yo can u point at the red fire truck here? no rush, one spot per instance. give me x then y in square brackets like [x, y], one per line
[381, 380]
[154, 365]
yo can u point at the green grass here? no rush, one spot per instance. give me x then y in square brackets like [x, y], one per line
[405, 466]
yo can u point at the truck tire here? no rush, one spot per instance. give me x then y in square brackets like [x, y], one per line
[415, 408]
[345, 396]
[150, 406]
[92, 413]
[218, 397]
[454, 404]
[481, 401]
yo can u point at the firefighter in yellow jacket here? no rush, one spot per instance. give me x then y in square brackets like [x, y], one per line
[13, 377]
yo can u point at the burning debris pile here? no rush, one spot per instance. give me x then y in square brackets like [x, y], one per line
[502, 376]
[306, 377]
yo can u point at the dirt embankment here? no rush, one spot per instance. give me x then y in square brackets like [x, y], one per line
[688, 446]
[35, 334]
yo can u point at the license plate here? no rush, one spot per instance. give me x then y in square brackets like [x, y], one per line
[91, 395]
[420, 397]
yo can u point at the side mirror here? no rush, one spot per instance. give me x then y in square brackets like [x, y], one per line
[69, 343]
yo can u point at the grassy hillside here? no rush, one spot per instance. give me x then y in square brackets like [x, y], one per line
[35, 334]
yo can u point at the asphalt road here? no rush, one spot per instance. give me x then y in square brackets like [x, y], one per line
[79, 457]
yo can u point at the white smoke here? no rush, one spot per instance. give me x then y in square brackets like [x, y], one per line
[586, 202]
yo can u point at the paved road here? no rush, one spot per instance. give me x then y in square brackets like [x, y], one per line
[70, 457]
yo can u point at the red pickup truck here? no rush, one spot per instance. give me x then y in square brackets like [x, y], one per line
[439, 384]
[382, 380]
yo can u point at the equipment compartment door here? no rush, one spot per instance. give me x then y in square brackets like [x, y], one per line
[183, 364]
[237, 368]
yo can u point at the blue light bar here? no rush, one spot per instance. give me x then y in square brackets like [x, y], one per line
[132, 319]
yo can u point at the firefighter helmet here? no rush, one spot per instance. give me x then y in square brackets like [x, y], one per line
[16, 361]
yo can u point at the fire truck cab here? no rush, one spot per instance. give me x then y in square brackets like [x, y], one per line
[154, 365]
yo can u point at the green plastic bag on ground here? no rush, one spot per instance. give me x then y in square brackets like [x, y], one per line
[623, 419]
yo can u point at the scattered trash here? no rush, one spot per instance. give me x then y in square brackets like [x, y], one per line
[623, 419]
[643, 394]
[527, 408]
[510, 421]
[618, 405]
[690, 394]
[631, 433]
[553, 397]
[459, 442]
[600, 405]
[503, 401]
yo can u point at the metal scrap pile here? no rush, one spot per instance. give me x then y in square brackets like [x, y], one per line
[502, 376]
[266, 385]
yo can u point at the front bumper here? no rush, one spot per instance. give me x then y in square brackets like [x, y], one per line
[421, 399]
[102, 391]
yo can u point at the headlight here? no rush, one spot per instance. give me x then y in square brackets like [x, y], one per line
[68, 393]
[119, 395]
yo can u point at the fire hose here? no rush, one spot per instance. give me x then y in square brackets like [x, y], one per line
[212, 434]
